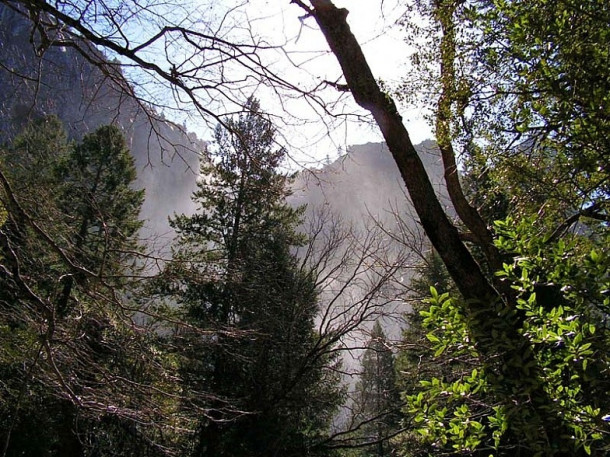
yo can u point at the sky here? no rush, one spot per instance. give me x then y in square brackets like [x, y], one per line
[310, 135]
[373, 24]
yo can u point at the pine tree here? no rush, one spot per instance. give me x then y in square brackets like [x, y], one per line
[66, 248]
[99, 204]
[377, 400]
[234, 272]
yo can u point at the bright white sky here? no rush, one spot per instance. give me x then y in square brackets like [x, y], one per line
[373, 24]
[310, 137]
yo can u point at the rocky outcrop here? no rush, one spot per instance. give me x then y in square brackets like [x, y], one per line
[365, 183]
[61, 82]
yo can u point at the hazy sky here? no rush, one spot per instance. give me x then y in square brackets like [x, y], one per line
[307, 62]
[373, 24]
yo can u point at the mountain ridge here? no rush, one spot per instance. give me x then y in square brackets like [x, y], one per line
[369, 182]
[63, 83]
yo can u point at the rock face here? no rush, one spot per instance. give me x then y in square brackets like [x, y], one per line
[365, 184]
[364, 189]
[63, 83]
[362, 183]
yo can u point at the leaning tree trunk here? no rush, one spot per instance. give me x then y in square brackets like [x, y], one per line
[495, 332]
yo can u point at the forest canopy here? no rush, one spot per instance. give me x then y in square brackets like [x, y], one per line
[505, 350]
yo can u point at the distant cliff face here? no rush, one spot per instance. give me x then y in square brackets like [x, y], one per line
[366, 183]
[364, 189]
[63, 83]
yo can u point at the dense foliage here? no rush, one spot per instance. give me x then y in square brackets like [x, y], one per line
[562, 308]
[523, 101]
[74, 365]
[274, 391]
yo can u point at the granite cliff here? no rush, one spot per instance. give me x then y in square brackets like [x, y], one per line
[63, 83]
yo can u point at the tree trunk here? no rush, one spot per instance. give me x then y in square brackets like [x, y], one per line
[494, 330]
[442, 233]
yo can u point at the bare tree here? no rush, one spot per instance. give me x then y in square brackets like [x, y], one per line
[209, 60]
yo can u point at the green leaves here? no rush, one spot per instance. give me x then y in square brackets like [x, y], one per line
[560, 294]
[532, 131]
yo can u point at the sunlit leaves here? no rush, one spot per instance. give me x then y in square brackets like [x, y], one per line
[561, 306]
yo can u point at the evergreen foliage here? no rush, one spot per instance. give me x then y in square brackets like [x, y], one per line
[562, 309]
[417, 358]
[377, 399]
[72, 361]
[234, 273]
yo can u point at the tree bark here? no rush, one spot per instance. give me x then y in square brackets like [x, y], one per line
[494, 330]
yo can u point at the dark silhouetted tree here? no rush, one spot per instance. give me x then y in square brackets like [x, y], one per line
[234, 274]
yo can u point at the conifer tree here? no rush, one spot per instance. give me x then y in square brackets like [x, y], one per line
[377, 399]
[100, 207]
[70, 358]
[235, 272]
